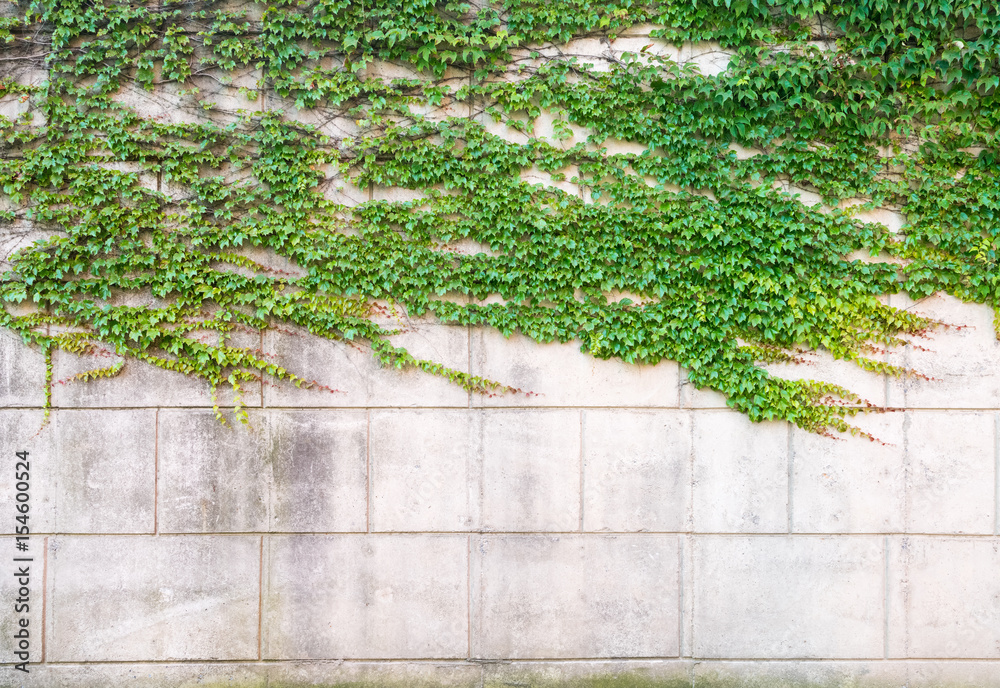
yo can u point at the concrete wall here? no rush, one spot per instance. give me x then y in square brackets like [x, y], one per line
[615, 527]
[615, 522]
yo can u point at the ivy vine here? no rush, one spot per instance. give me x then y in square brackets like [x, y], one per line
[679, 249]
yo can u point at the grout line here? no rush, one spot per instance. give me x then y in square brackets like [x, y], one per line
[260, 603]
[582, 421]
[885, 593]
[156, 473]
[791, 472]
[45, 585]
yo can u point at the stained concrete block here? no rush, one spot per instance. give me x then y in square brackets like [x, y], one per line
[289, 471]
[557, 374]
[219, 97]
[426, 469]
[359, 378]
[22, 590]
[214, 478]
[90, 472]
[963, 674]
[139, 384]
[141, 675]
[825, 674]
[531, 470]
[22, 373]
[318, 463]
[636, 470]
[740, 474]
[943, 598]
[963, 361]
[355, 596]
[575, 596]
[788, 597]
[137, 598]
[952, 464]
[850, 484]
[617, 673]
[453, 674]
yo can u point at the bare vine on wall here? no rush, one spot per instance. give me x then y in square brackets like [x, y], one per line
[255, 122]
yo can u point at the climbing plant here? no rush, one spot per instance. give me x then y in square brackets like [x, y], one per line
[192, 162]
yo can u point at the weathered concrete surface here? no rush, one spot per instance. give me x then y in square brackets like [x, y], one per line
[788, 597]
[575, 596]
[120, 598]
[561, 375]
[531, 471]
[22, 373]
[636, 470]
[426, 470]
[943, 597]
[740, 474]
[366, 597]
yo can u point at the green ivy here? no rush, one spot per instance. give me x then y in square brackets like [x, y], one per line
[679, 250]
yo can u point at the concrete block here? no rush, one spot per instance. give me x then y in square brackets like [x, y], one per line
[740, 474]
[788, 597]
[318, 460]
[360, 380]
[136, 598]
[943, 594]
[219, 97]
[962, 361]
[952, 464]
[213, 478]
[139, 384]
[561, 375]
[963, 674]
[850, 484]
[375, 597]
[824, 674]
[531, 471]
[707, 56]
[23, 595]
[426, 469]
[617, 673]
[105, 471]
[140, 675]
[636, 470]
[22, 373]
[320, 674]
[575, 596]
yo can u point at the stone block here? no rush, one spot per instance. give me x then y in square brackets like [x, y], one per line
[23, 595]
[213, 96]
[623, 673]
[374, 674]
[952, 464]
[359, 378]
[138, 384]
[793, 597]
[367, 597]
[962, 360]
[575, 596]
[740, 474]
[557, 374]
[90, 472]
[137, 598]
[962, 674]
[318, 463]
[426, 468]
[850, 484]
[289, 471]
[943, 598]
[636, 470]
[140, 675]
[823, 367]
[531, 470]
[824, 674]
[708, 57]
[692, 397]
[22, 373]
[214, 478]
